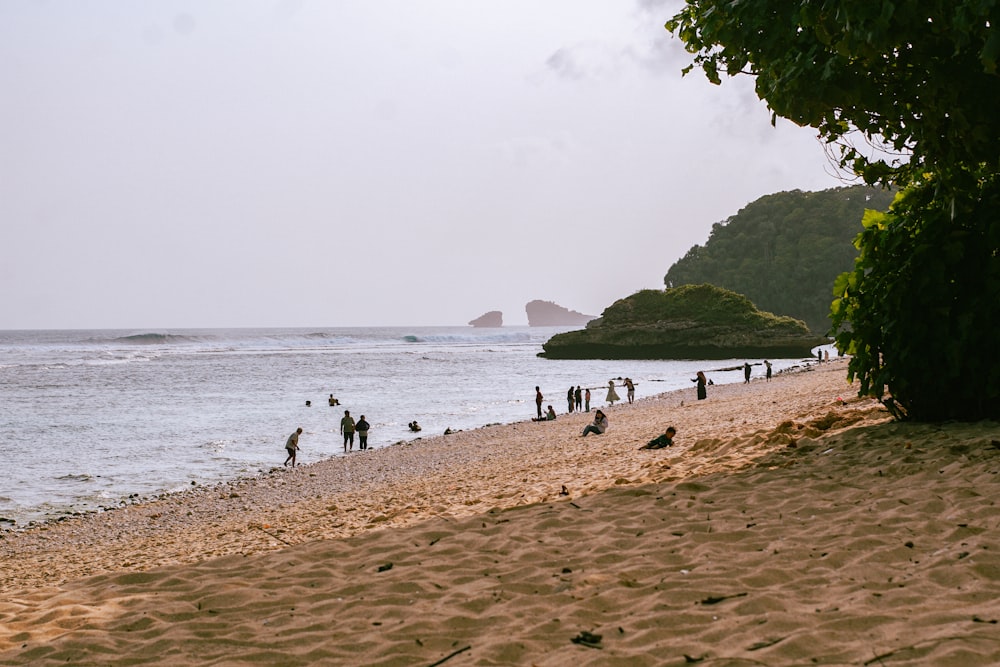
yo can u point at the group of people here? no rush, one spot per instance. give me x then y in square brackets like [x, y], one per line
[348, 428]
[747, 371]
[576, 399]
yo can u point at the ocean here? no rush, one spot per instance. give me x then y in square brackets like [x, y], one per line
[91, 420]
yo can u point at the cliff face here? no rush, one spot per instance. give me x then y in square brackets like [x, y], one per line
[494, 318]
[548, 314]
[690, 322]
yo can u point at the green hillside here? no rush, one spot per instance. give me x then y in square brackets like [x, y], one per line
[783, 251]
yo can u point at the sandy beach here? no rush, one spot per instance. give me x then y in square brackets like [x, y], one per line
[791, 524]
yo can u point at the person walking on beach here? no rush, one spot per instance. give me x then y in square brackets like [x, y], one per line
[538, 401]
[746, 372]
[347, 428]
[767, 373]
[612, 394]
[599, 426]
[661, 441]
[586, 399]
[630, 387]
[292, 446]
[362, 428]
[578, 399]
[570, 401]
[700, 379]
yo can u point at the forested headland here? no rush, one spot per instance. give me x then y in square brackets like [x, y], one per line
[784, 251]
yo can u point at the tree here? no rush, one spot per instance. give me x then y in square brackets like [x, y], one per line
[920, 80]
[919, 77]
[784, 250]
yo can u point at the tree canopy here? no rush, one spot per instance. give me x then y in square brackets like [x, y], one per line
[921, 75]
[784, 251]
[919, 79]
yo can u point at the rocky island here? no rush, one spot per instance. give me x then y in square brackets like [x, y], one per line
[689, 322]
[549, 314]
[494, 318]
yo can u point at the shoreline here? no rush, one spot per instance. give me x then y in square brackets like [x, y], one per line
[70, 479]
[282, 506]
[789, 524]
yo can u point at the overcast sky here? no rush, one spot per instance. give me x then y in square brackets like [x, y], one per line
[351, 163]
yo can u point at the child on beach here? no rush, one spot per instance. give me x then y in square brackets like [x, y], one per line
[292, 446]
[661, 441]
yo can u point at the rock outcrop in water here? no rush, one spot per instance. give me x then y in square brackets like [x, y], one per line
[689, 322]
[494, 318]
[549, 314]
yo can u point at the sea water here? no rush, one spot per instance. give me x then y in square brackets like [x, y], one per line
[94, 419]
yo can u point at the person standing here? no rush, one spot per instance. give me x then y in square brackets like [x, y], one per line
[630, 387]
[362, 428]
[347, 429]
[612, 394]
[578, 399]
[538, 401]
[700, 379]
[292, 446]
[746, 372]
[569, 401]
[767, 373]
[586, 399]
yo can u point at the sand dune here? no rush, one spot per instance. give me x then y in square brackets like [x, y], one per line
[786, 527]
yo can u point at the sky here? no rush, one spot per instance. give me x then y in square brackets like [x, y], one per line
[296, 163]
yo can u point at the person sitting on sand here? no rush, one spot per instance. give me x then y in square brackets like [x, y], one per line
[599, 426]
[292, 446]
[550, 415]
[661, 441]
[414, 426]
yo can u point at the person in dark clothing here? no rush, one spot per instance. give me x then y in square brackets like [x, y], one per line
[702, 393]
[661, 441]
[362, 428]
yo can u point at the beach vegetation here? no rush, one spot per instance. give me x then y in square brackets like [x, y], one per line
[784, 250]
[904, 95]
[688, 322]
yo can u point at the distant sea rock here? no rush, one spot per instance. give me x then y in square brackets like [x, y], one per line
[548, 314]
[494, 318]
[689, 322]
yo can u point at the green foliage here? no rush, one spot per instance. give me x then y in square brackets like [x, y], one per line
[706, 304]
[783, 251]
[921, 75]
[923, 304]
[921, 78]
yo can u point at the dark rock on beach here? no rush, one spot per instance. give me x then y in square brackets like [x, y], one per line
[689, 322]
